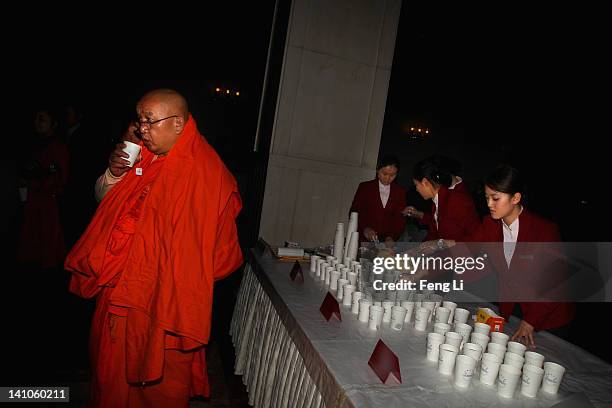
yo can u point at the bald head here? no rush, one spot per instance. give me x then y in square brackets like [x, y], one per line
[170, 101]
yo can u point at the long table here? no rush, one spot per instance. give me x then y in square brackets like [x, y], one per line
[290, 356]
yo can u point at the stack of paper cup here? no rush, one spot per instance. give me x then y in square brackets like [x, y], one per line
[353, 246]
[434, 340]
[553, 375]
[355, 302]
[489, 367]
[320, 262]
[333, 281]
[532, 378]
[313, 263]
[347, 294]
[508, 380]
[464, 371]
[352, 227]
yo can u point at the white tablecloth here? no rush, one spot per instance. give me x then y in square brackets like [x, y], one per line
[289, 356]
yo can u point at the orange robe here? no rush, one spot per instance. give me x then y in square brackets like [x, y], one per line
[151, 254]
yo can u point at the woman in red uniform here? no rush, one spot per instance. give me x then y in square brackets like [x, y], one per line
[380, 202]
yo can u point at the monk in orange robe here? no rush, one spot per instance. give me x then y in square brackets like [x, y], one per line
[163, 233]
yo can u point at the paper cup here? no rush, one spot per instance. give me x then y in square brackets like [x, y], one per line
[441, 328]
[553, 375]
[376, 316]
[434, 340]
[347, 295]
[328, 272]
[531, 380]
[498, 350]
[446, 358]
[133, 150]
[333, 281]
[313, 263]
[398, 314]
[482, 328]
[472, 350]
[352, 277]
[355, 302]
[409, 306]
[321, 270]
[499, 338]
[421, 317]
[364, 310]
[508, 380]
[461, 315]
[514, 360]
[454, 339]
[464, 330]
[489, 367]
[450, 306]
[341, 284]
[516, 348]
[464, 371]
[534, 359]
[442, 315]
[480, 339]
[387, 305]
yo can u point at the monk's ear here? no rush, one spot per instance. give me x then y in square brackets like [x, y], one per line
[179, 124]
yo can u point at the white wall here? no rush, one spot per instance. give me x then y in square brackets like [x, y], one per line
[329, 116]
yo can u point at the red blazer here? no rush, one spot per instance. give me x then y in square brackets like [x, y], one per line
[386, 221]
[457, 216]
[528, 267]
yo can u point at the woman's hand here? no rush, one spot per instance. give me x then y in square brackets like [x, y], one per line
[370, 234]
[524, 334]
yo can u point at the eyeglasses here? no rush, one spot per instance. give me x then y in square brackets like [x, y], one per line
[149, 123]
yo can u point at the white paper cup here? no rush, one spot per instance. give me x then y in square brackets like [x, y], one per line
[441, 328]
[398, 314]
[355, 302]
[450, 306]
[534, 359]
[328, 272]
[345, 272]
[489, 367]
[446, 359]
[497, 349]
[133, 150]
[387, 305]
[329, 258]
[480, 339]
[454, 339]
[434, 340]
[531, 380]
[333, 281]
[482, 328]
[352, 277]
[341, 284]
[553, 375]
[473, 350]
[340, 267]
[347, 295]
[364, 310]
[334, 262]
[409, 306]
[464, 330]
[508, 380]
[464, 371]
[421, 317]
[461, 315]
[442, 315]
[514, 360]
[516, 348]
[376, 316]
[313, 263]
[499, 338]
[321, 269]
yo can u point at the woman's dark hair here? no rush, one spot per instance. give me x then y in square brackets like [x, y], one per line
[432, 170]
[506, 179]
[388, 160]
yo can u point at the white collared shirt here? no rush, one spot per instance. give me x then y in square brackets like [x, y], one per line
[385, 191]
[435, 200]
[459, 180]
[510, 236]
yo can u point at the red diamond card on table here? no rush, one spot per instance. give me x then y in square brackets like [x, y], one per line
[296, 271]
[384, 362]
[330, 307]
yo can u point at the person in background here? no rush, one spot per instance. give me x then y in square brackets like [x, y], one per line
[380, 202]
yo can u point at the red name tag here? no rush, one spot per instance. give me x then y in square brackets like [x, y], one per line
[384, 362]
